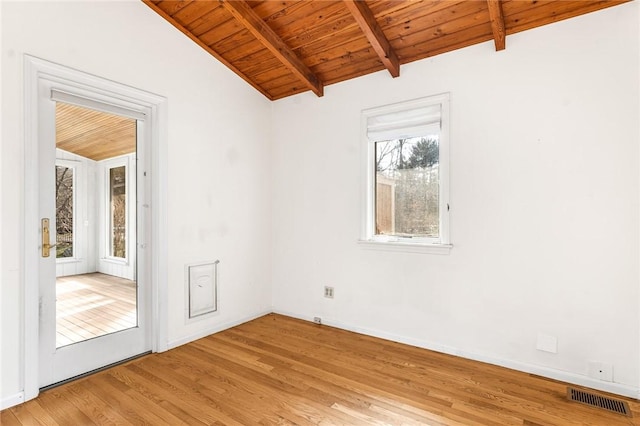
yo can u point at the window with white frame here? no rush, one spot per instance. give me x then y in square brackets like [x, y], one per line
[118, 208]
[407, 173]
[65, 209]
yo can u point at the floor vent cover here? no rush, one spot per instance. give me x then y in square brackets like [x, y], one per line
[599, 401]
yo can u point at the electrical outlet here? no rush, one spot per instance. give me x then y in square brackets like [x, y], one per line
[317, 320]
[328, 292]
[601, 371]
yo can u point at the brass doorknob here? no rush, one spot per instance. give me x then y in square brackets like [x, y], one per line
[46, 247]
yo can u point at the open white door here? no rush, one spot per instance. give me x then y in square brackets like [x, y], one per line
[93, 219]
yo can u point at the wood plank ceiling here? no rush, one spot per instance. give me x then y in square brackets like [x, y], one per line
[286, 47]
[93, 134]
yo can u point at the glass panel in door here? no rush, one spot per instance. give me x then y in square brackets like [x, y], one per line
[96, 289]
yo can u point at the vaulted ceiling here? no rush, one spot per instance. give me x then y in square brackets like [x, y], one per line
[286, 47]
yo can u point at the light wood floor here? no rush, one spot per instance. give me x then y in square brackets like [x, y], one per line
[92, 305]
[278, 370]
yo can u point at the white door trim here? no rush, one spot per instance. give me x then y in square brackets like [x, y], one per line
[37, 71]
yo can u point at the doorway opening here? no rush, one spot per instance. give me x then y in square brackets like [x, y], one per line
[129, 234]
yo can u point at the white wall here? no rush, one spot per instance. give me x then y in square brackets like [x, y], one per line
[544, 198]
[218, 139]
[4, 316]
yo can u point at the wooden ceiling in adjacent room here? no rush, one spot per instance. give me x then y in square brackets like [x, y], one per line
[93, 134]
[286, 47]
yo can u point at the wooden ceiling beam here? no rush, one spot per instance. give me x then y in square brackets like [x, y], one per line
[200, 43]
[497, 24]
[368, 24]
[256, 26]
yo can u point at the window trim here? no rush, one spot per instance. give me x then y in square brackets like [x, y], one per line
[368, 238]
[112, 163]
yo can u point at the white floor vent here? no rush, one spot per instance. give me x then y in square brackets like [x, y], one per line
[599, 401]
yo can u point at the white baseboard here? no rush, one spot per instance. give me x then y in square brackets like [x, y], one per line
[217, 328]
[563, 376]
[11, 400]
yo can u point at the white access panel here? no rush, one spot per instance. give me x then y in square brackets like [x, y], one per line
[202, 288]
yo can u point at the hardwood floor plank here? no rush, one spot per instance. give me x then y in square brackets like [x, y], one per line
[92, 406]
[32, 412]
[279, 370]
[340, 370]
[37, 412]
[121, 398]
[241, 386]
[7, 418]
[144, 397]
[57, 405]
[182, 388]
[330, 390]
[153, 393]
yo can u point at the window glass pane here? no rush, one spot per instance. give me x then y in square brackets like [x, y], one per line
[117, 186]
[408, 187]
[64, 212]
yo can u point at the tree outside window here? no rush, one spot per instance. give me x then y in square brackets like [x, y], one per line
[118, 199]
[407, 187]
[64, 212]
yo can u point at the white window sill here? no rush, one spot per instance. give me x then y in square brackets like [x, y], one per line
[408, 247]
[62, 260]
[116, 260]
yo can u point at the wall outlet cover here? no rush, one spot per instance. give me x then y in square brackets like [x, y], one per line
[601, 371]
[328, 292]
[547, 343]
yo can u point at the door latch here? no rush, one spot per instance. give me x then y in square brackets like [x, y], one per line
[46, 247]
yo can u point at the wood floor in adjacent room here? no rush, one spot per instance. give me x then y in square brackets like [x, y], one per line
[278, 370]
[92, 305]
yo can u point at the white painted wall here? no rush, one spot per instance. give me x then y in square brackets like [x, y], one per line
[218, 138]
[4, 319]
[544, 198]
